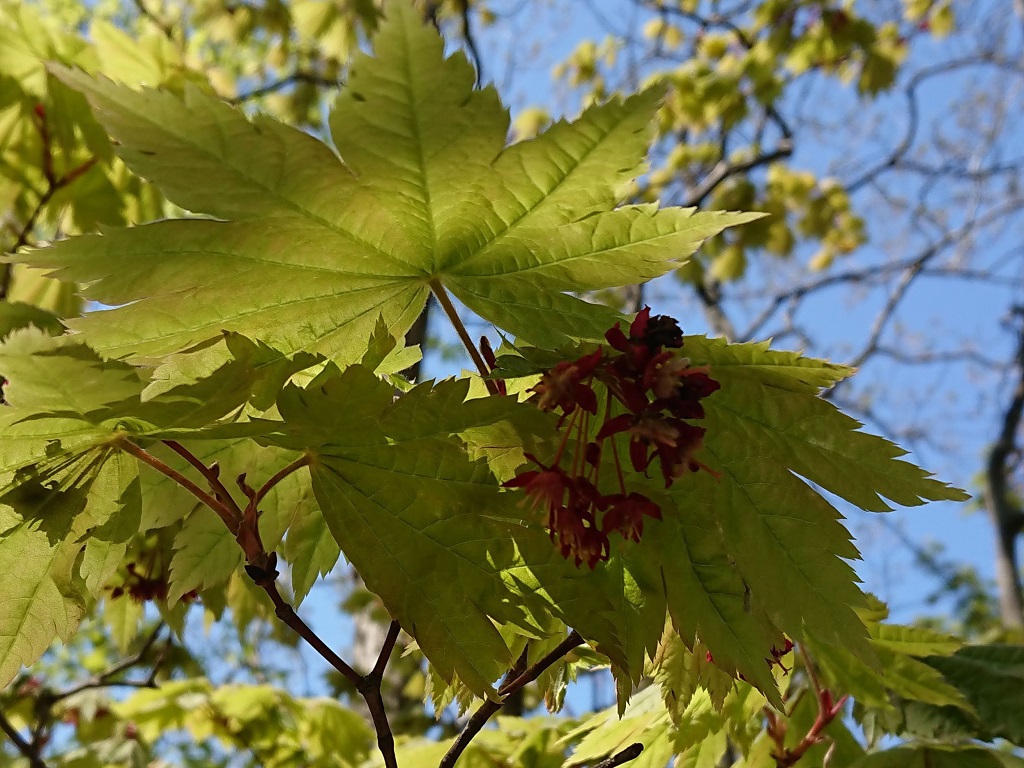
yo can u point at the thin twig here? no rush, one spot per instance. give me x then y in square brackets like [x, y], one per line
[261, 566]
[828, 710]
[103, 680]
[265, 576]
[573, 640]
[288, 615]
[488, 709]
[211, 473]
[26, 750]
[378, 715]
[1003, 508]
[268, 486]
[724, 170]
[377, 673]
[449, 309]
[295, 77]
[146, 457]
[812, 673]
[471, 46]
[166, 28]
[53, 185]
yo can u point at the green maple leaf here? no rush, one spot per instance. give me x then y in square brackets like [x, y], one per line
[645, 720]
[56, 388]
[706, 596]
[429, 529]
[42, 597]
[766, 429]
[310, 249]
[66, 401]
[17, 314]
[681, 672]
[42, 528]
[69, 412]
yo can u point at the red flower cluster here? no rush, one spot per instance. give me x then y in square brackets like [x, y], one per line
[659, 391]
[141, 588]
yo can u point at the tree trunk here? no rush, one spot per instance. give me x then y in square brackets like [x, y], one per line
[1003, 508]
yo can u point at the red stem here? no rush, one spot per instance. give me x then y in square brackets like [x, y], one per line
[212, 476]
[268, 486]
[217, 506]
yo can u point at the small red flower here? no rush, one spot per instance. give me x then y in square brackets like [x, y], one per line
[663, 331]
[545, 487]
[676, 460]
[663, 373]
[562, 386]
[626, 514]
[575, 527]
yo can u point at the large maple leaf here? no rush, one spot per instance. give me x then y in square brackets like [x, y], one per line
[307, 249]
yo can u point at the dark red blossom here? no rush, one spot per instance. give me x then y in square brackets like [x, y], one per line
[651, 332]
[574, 526]
[657, 331]
[626, 514]
[546, 487]
[659, 391]
[563, 387]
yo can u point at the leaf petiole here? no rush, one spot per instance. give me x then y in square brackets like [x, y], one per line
[449, 309]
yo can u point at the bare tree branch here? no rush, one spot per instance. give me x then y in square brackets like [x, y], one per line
[300, 76]
[490, 707]
[470, 38]
[1004, 510]
[105, 679]
[724, 169]
[54, 184]
[21, 744]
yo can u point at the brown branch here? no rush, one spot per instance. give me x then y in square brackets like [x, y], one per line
[573, 640]
[828, 710]
[723, 22]
[287, 614]
[46, 699]
[299, 76]
[165, 27]
[264, 574]
[261, 566]
[211, 473]
[267, 487]
[488, 709]
[724, 169]
[377, 673]
[103, 679]
[709, 291]
[53, 185]
[27, 751]
[471, 46]
[147, 458]
[1006, 515]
